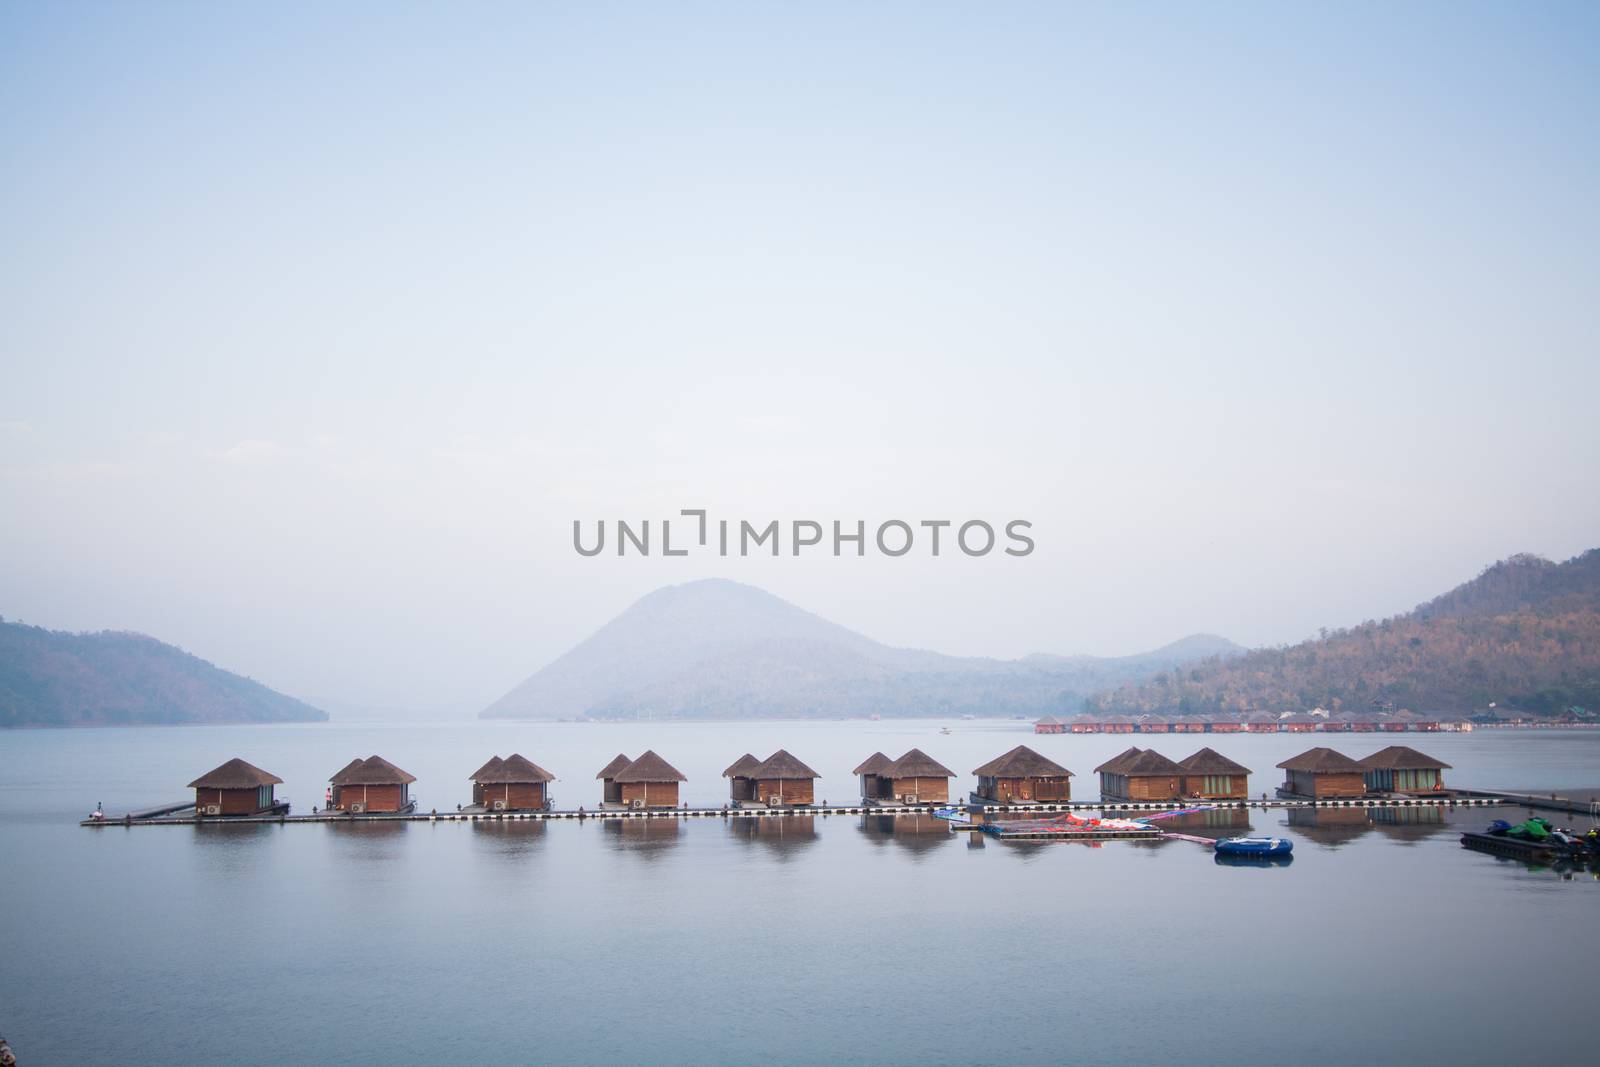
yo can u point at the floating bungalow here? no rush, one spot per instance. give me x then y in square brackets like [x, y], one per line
[511, 784]
[741, 787]
[1224, 725]
[1049, 725]
[1317, 773]
[918, 778]
[370, 786]
[236, 788]
[1398, 769]
[647, 782]
[1261, 723]
[1022, 776]
[1210, 775]
[783, 781]
[1140, 774]
[874, 786]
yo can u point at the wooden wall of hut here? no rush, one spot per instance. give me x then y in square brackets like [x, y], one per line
[926, 790]
[516, 796]
[1340, 784]
[1217, 786]
[654, 794]
[789, 790]
[1043, 790]
[234, 801]
[372, 797]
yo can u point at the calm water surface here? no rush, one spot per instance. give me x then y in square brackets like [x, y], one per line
[806, 940]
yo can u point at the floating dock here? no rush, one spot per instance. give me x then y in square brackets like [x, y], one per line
[167, 816]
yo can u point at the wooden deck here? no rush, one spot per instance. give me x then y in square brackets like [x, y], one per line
[1478, 800]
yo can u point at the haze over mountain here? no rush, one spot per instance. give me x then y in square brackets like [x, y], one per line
[1524, 635]
[49, 678]
[722, 649]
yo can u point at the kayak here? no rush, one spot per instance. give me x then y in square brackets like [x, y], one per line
[1254, 846]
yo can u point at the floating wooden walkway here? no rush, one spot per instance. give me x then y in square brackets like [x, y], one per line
[168, 819]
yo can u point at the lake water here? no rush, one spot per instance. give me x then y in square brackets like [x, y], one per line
[804, 940]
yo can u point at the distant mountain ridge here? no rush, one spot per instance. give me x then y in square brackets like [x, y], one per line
[1524, 635]
[50, 678]
[720, 649]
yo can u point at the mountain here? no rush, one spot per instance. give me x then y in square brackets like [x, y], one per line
[1524, 635]
[49, 678]
[722, 650]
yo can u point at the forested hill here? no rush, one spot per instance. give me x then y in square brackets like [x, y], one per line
[49, 678]
[1524, 635]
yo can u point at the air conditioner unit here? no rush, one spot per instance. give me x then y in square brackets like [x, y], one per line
[637, 803]
[775, 801]
[357, 809]
[213, 809]
[909, 798]
[498, 805]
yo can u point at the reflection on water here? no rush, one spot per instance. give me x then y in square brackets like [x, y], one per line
[365, 841]
[914, 833]
[782, 835]
[1333, 827]
[1217, 822]
[511, 837]
[647, 838]
[1329, 827]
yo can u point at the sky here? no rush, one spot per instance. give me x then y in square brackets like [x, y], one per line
[321, 324]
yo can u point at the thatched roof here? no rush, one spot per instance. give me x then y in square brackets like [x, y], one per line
[874, 764]
[513, 770]
[347, 769]
[1210, 761]
[741, 767]
[1402, 758]
[1148, 763]
[1022, 762]
[1048, 720]
[917, 764]
[610, 770]
[235, 774]
[781, 764]
[487, 768]
[649, 768]
[374, 770]
[1322, 761]
[1115, 763]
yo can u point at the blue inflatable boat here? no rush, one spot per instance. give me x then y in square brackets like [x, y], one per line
[1254, 846]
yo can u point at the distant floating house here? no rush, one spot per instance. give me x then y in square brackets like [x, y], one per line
[236, 788]
[511, 784]
[1398, 769]
[648, 782]
[918, 778]
[610, 791]
[371, 785]
[1321, 772]
[1085, 724]
[1261, 723]
[783, 781]
[1153, 724]
[1140, 775]
[741, 787]
[1117, 724]
[1023, 776]
[1049, 725]
[1210, 775]
[1226, 724]
[874, 786]
[1192, 724]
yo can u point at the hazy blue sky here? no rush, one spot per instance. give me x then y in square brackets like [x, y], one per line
[320, 323]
